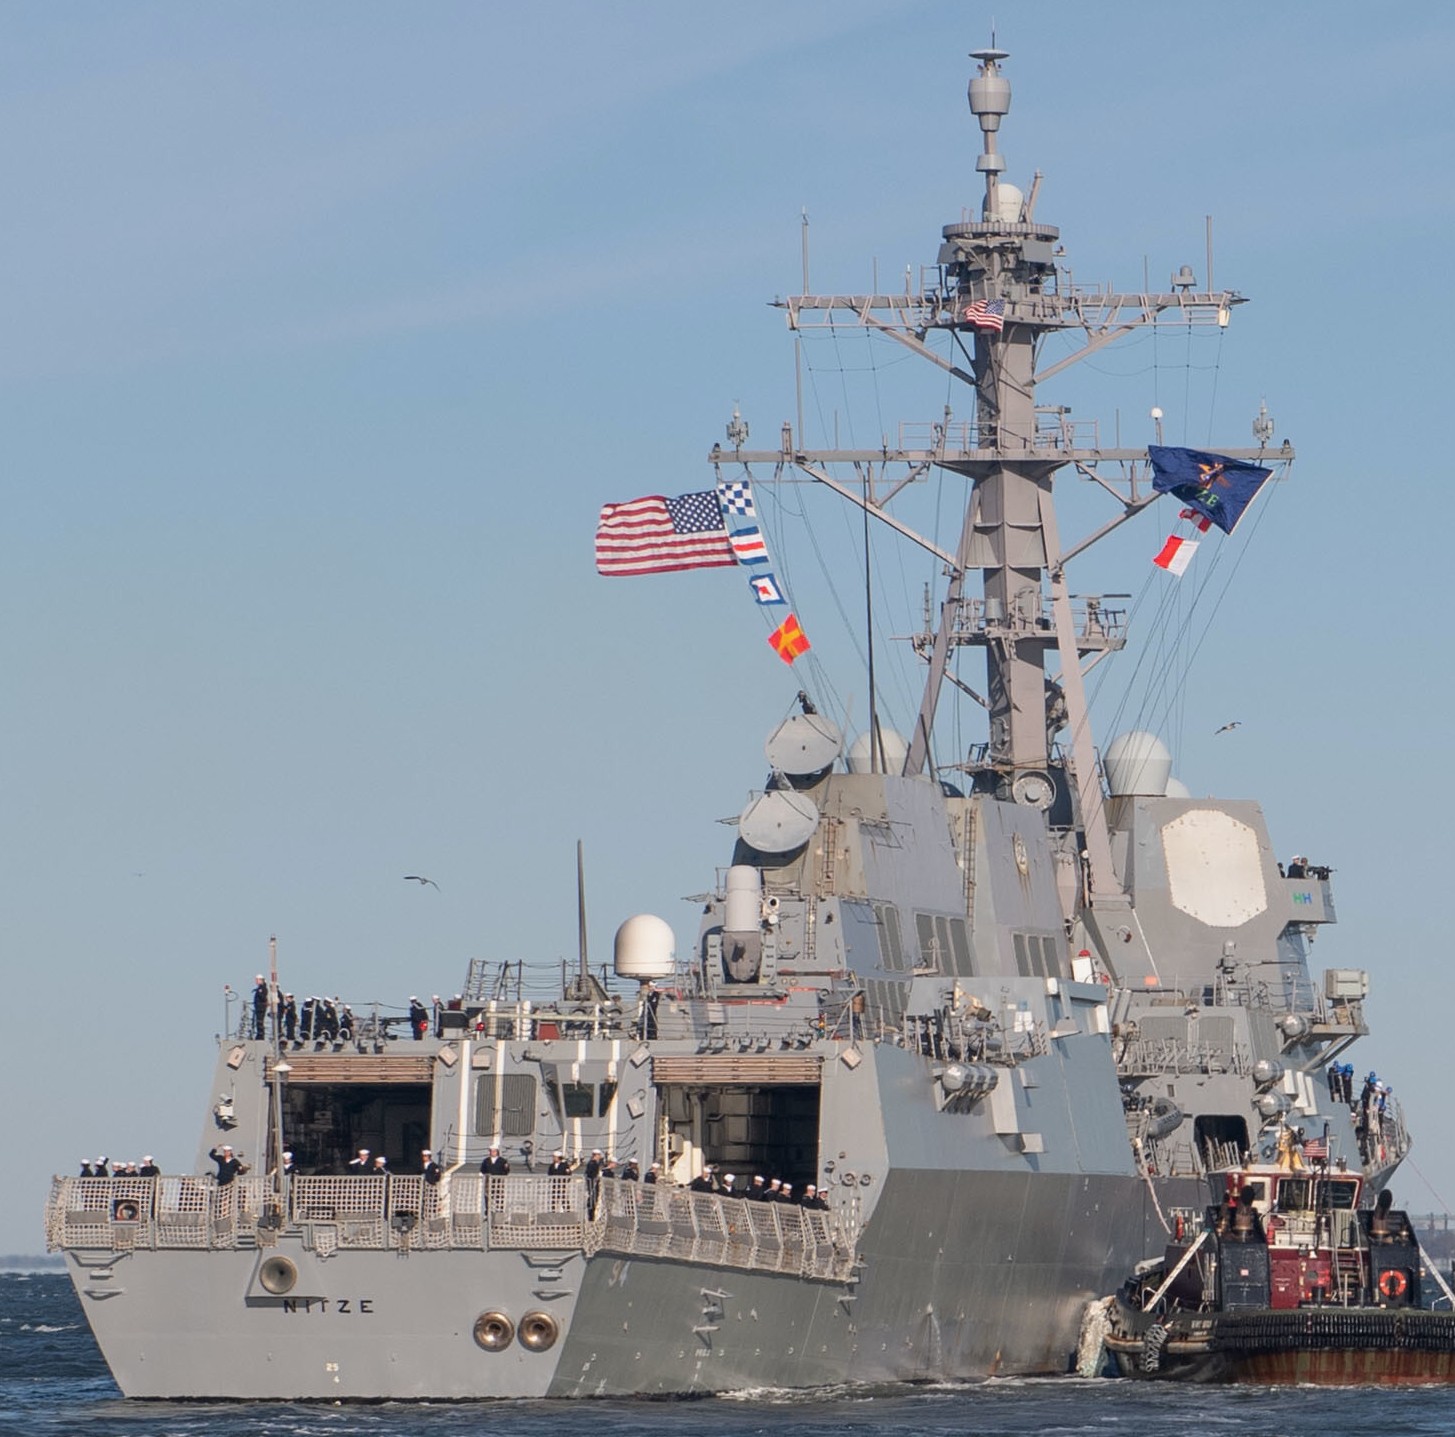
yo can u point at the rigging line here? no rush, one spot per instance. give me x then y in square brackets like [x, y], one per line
[844, 387]
[1145, 651]
[1155, 708]
[825, 567]
[1237, 564]
[1187, 385]
[1408, 1159]
[892, 659]
[1217, 371]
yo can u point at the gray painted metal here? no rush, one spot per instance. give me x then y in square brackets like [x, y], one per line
[1004, 1022]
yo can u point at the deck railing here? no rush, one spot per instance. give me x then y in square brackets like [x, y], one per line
[520, 1213]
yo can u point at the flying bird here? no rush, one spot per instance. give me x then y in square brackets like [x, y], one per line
[418, 878]
[1236, 723]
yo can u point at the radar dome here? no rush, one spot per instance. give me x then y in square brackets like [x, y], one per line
[645, 948]
[1137, 764]
[893, 746]
[1177, 789]
[1008, 202]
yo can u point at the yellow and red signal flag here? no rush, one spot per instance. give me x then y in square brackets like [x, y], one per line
[789, 640]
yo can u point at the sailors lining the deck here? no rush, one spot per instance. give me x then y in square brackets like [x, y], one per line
[599, 1166]
[594, 1167]
[261, 1004]
[229, 1165]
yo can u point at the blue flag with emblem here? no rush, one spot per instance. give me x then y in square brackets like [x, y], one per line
[1213, 485]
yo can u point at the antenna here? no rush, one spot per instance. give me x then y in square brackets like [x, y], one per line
[581, 906]
[583, 988]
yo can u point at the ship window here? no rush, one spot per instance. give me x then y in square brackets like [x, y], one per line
[1050, 959]
[888, 999]
[891, 946]
[933, 932]
[607, 1093]
[1030, 958]
[578, 1099]
[960, 947]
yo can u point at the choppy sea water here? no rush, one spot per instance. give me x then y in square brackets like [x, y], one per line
[53, 1383]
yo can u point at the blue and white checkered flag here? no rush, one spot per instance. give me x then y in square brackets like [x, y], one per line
[736, 497]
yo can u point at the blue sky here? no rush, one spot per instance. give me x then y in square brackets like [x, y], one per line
[328, 330]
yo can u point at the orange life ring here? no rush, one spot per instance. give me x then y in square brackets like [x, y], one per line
[1393, 1283]
[1181, 1228]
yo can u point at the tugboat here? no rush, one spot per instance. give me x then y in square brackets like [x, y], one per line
[1287, 1278]
[961, 1020]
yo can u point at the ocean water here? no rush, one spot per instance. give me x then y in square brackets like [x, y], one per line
[53, 1383]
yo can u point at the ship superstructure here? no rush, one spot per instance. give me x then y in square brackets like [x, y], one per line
[998, 1012]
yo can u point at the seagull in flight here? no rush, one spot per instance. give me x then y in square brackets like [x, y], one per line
[1228, 727]
[420, 879]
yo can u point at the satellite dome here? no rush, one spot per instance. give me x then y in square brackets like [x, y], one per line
[1177, 789]
[893, 746]
[645, 948]
[1137, 763]
[1008, 202]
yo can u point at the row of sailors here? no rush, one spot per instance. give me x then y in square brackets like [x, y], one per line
[102, 1168]
[757, 1189]
[324, 1019]
[597, 1166]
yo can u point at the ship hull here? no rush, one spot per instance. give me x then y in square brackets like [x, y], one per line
[962, 1277]
[1323, 1347]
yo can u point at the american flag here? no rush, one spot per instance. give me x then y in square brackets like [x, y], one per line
[1316, 1150]
[659, 536]
[986, 314]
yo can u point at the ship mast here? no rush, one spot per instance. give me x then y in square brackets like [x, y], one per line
[1002, 267]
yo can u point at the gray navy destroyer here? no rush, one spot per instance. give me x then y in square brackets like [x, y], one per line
[1004, 1012]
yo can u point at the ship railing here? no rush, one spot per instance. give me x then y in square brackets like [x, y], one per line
[657, 1220]
[1149, 1057]
[527, 1211]
[465, 1211]
[122, 1213]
